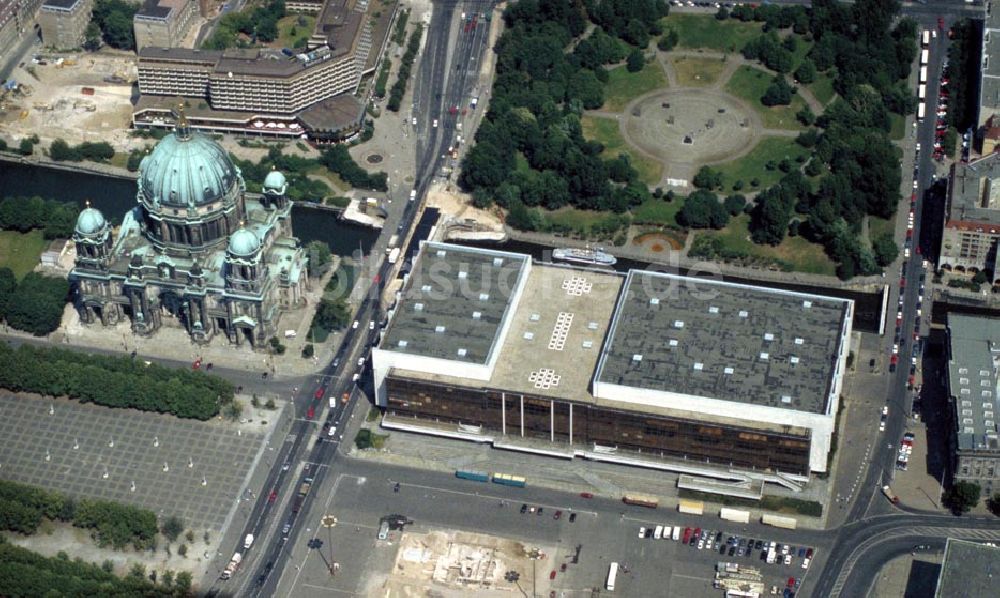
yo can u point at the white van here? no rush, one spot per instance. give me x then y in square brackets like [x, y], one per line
[677, 534]
[666, 532]
[333, 430]
[290, 334]
[658, 532]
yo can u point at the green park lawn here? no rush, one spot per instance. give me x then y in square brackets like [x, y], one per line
[696, 71]
[880, 226]
[753, 165]
[657, 211]
[798, 253]
[21, 251]
[705, 31]
[623, 87]
[750, 83]
[605, 131]
[897, 129]
[822, 88]
[574, 218]
[301, 25]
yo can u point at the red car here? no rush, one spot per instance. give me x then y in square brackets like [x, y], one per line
[894, 359]
[319, 393]
[586, 495]
[196, 365]
[941, 23]
[273, 496]
[553, 574]
[791, 582]
[310, 412]
[557, 515]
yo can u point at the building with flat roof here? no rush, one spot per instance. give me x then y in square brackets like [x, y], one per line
[64, 22]
[163, 23]
[972, 217]
[973, 359]
[487, 346]
[989, 81]
[969, 569]
[271, 86]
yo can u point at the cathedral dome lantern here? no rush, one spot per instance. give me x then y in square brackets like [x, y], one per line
[275, 181]
[243, 243]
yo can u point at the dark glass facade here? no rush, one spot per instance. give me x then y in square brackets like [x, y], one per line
[549, 419]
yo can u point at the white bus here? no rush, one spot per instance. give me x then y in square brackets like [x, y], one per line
[922, 91]
[924, 57]
[925, 38]
[612, 575]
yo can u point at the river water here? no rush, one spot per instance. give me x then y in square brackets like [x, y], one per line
[114, 196]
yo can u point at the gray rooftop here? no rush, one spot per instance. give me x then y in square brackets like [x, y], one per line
[970, 570]
[60, 4]
[989, 93]
[975, 191]
[724, 341]
[454, 302]
[974, 344]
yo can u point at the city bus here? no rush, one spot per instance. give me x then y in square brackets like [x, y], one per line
[640, 501]
[612, 575]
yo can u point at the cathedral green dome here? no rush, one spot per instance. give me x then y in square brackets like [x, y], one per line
[274, 181]
[243, 243]
[90, 221]
[187, 169]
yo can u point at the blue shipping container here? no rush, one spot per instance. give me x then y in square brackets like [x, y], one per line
[476, 476]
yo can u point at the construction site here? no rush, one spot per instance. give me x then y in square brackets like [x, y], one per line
[450, 564]
[71, 97]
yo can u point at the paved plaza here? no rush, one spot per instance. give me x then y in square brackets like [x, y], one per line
[90, 451]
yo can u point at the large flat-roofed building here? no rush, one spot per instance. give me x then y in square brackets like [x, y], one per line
[969, 569]
[973, 359]
[989, 82]
[163, 23]
[267, 85]
[64, 22]
[487, 346]
[972, 217]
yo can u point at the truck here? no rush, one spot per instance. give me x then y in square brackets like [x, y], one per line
[305, 487]
[640, 501]
[393, 255]
[925, 56]
[922, 91]
[735, 515]
[887, 491]
[923, 74]
[234, 564]
[393, 243]
[921, 110]
[772, 553]
[248, 541]
[779, 521]
[691, 507]
[475, 476]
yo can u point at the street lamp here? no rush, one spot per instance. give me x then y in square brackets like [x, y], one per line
[329, 522]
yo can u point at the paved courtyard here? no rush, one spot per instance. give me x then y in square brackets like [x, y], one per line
[96, 452]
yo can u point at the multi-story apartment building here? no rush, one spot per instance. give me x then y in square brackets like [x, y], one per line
[972, 217]
[973, 359]
[64, 22]
[260, 88]
[163, 23]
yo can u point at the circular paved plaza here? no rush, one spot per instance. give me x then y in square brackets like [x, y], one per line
[700, 126]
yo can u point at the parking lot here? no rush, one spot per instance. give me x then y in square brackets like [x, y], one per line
[585, 538]
[171, 466]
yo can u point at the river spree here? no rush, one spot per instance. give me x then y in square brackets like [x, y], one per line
[114, 196]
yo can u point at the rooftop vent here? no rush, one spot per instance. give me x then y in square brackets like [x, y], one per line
[984, 372]
[463, 274]
[967, 421]
[728, 371]
[744, 313]
[764, 356]
[592, 326]
[786, 399]
[439, 328]
[476, 315]
[699, 366]
[963, 380]
[673, 342]
[637, 357]
[534, 317]
[794, 359]
[588, 344]
[529, 335]
[678, 324]
[800, 341]
[418, 307]
[426, 288]
[441, 253]
[712, 309]
[462, 352]
[969, 430]
[963, 370]
[807, 304]
[484, 296]
[654, 300]
[402, 344]
[768, 336]
[497, 262]
[966, 391]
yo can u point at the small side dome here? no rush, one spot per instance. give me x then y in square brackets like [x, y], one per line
[243, 243]
[275, 181]
[90, 221]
